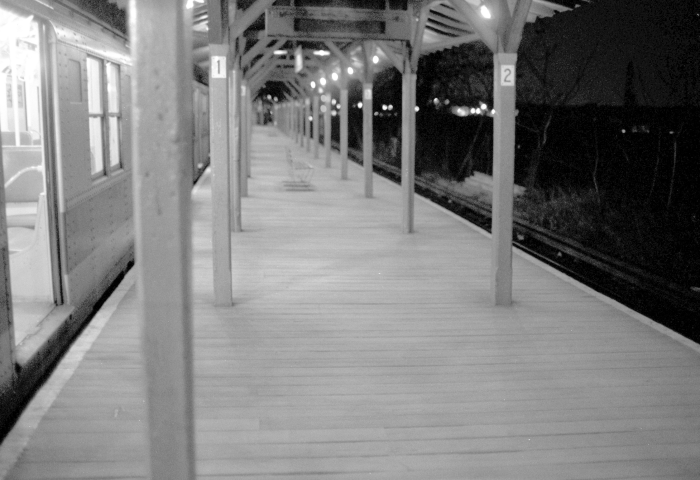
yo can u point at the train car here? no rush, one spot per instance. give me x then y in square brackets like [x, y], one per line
[66, 158]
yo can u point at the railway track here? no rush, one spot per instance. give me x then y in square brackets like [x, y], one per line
[672, 305]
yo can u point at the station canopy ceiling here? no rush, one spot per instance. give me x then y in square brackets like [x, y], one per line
[331, 33]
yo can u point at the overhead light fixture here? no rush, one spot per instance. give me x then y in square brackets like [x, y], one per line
[484, 10]
[313, 84]
[190, 3]
[334, 76]
[350, 71]
[323, 81]
[321, 53]
[280, 52]
[375, 59]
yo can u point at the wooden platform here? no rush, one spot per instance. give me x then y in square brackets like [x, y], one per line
[356, 351]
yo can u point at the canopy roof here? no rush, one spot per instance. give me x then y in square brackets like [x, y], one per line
[256, 31]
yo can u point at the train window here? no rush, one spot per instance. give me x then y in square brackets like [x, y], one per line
[96, 114]
[114, 114]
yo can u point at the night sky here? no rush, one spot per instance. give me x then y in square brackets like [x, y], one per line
[651, 34]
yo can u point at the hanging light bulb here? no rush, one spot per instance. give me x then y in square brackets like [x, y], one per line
[350, 71]
[484, 10]
[334, 76]
[323, 81]
[375, 59]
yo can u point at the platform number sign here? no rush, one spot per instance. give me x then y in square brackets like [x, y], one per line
[218, 67]
[507, 75]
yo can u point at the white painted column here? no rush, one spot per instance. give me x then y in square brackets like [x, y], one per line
[300, 116]
[503, 178]
[220, 176]
[367, 145]
[245, 119]
[235, 152]
[316, 125]
[249, 133]
[327, 128]
[408, 145]
[344, 110]
[307, 123]
[161, 50]
[7, 328]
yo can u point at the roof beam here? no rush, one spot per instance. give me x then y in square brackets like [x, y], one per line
[266, 56]
[515, 29]
[218, 21]
[244, 19]
[485, 32]
[418, 38]
[394, 58]
[338, 53]
[254, 51]
[452, 42]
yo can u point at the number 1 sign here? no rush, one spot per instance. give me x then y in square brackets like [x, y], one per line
[507, 75]
[218, 67]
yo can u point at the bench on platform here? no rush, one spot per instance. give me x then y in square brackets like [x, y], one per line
[299, 172]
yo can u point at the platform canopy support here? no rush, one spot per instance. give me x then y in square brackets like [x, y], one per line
[327, 127]
[344, 111]
[161, 46]
[367, 117]
[316, 124]
[244, 127]
[235, 77]
[307, 122]
[408, 143]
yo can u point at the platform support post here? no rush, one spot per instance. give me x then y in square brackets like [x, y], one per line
[408, 143]
[344, 109]
[327, 128]
[244, 137]
[316, 125]
[7, 328]
[367, 118]
[503, 178]
[249, 131]
[307, 123]
[235, 153]
[161, 46]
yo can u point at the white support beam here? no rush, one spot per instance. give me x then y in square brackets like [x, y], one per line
[408, 144]
[417, 43]
[344, 59]
[344, 110]
[161, 46]
[245, 99]
[316, 124]
[485, 32]
[307, 122]
[395, 59]
[503, 178]
[367, 118]
[254, 51]
[236, 75]
[220, 173]
[263, 61]
[452, 42]
[327, 128]
[244, 19]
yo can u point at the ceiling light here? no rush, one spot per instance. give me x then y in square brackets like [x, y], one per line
[280, 52]
[375, 59]
[321, 53]
[350, 71]
[484, 10]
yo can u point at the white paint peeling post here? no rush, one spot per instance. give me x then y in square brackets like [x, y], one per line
[344, 109]
[503, 178]
[327, 128]
[367, 150]
[307, 123]
[220, 174]
[162, 175]
[316, 125]
[235, 153]
[408, 145]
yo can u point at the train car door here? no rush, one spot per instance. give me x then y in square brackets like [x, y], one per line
[25, 148]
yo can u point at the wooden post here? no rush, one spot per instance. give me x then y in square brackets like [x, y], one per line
[7, 328]
[344, 109]
[408, 143]
[161, 48]
[327, 128]
[367, 119]
[503, 178]
[307, 123]
[235, 153]
[316, 126]
[249, 133]
[244, 137]
[300, 116]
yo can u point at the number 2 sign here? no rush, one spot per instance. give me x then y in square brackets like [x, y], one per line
[507, 75]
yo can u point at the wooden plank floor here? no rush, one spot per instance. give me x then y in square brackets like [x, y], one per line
[355, 351]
